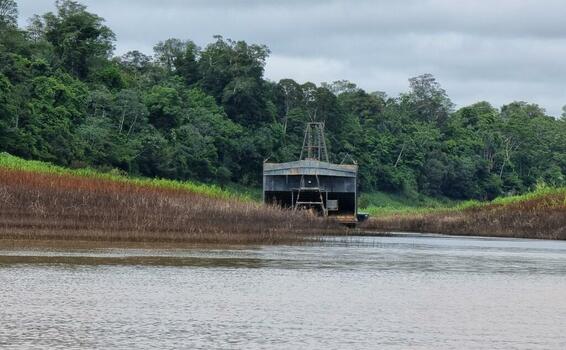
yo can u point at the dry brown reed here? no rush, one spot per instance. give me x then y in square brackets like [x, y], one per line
[38, 206]
[540, 218]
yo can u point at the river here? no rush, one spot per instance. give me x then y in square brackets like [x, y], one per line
[398, 292]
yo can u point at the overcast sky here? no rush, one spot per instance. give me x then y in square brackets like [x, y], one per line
[494, 50]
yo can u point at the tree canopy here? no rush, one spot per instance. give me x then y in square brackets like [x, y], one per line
[209, 114]
[8, 13]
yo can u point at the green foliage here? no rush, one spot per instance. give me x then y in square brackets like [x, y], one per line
[164, 105]
[232, 72]
[232, 192]
[8, 13]
[396, 205]
[381, 203]
[80, 39]
[179, 57]
[209, 115]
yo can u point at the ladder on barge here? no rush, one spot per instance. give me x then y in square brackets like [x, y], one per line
[315, 200]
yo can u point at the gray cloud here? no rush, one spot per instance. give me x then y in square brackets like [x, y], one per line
[494, 50]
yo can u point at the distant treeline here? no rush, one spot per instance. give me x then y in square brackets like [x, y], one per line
[208, 114]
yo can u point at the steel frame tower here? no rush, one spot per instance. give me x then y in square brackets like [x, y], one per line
[314, 149]
[314, 143]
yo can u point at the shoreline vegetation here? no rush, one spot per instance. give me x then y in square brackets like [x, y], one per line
[540, 214]
[45, 205]
[41, 202]
[210, 115]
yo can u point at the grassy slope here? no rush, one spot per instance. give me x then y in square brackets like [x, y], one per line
[39, 201]
[382, 203]
[539, 214]
[375, 203]
[8, 161]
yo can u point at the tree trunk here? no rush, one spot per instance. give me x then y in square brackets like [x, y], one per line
[399, 156]
[132, 126]
[122, 122]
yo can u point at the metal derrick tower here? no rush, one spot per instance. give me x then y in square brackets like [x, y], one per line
[310, 193]
[312, 182]
[314, 143]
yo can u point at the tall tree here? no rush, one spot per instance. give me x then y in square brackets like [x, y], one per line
[165, 107]
[428, 100]
[292, 94]
[80, 39]
[8, 13]
[232, 71]
[130, 112]
[180, 57]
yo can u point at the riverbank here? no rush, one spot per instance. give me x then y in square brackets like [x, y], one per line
[540, 215]
[40, 202]
[46, 203]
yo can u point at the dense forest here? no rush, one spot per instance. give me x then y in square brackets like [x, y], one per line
[209, 114]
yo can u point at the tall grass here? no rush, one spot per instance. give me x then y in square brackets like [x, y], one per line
[538, 214]
[39, 201]
[8, 161]
[429, 205]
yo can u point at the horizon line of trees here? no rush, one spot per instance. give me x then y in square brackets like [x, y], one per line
[209, 114]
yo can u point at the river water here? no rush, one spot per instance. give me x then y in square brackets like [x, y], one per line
[399, 292]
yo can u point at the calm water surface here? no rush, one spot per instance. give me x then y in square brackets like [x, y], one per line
[365, 293]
